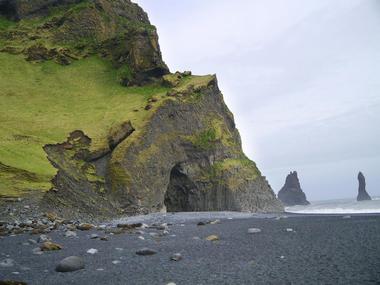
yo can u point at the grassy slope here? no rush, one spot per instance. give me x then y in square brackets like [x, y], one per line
[41, 103]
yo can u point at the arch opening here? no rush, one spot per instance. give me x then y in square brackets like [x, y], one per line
[181, 192]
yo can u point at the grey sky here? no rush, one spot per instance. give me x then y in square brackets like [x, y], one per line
[301, 77]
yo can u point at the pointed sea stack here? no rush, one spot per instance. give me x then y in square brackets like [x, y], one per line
[362, 193]
[291, 193]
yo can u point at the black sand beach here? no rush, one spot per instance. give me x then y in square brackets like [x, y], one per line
[293, 250]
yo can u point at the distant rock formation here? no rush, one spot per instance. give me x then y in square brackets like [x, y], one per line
[362, 193]
[291, 193]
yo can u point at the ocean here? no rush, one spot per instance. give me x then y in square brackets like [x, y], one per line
[338, 206]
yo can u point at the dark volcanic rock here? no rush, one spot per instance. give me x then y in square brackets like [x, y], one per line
[362, 192]
[146, 251]
[291, 193]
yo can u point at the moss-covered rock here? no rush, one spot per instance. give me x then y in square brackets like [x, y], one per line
[188, 158]
[66, 30]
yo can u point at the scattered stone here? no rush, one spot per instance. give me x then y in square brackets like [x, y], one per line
[115, 231]
[105, 238]
[32, 241]
[176, 257]
[152, 100]
[116, 262]
[50, 246]
[70, 234]
[141, 237]
[51, 216]
[92, 251]
[7, 262]
[37, 251]
[146, 251]
[85, 227]
[43, 238]
[69, 264]
[212, 238]
[186, 73]
[171, 283]
[289, 230]
[100, 269]
[201, 224]
[148, 107]
[129, 226]
[215, 222]
[254, 230]
[94, 236]
[119, 249]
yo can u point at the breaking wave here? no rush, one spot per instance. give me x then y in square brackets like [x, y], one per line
[341, 206]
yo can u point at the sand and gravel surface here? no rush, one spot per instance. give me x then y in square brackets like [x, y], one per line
[291, 250]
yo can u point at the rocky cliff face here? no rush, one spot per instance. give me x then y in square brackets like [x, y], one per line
[291, 193]
[362, 192]
[181, 152]
[68, 30]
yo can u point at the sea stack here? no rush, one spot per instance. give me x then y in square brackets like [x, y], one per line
[291, 193]
[362, 193]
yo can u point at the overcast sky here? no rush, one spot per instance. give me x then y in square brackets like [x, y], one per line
[301, 77]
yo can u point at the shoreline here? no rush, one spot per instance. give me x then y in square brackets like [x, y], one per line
[289, 249]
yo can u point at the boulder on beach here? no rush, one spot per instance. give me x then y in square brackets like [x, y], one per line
[291, 193]
[69, 264]
[362, 192]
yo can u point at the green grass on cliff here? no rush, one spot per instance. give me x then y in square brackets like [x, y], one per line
[5, 23]
[42, 103]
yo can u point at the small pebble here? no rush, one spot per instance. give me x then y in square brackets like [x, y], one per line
[116, 262]
[7, 262]
[254, 230]
[43, 238]
[176, 257]
[70, 234]
[146, 251]
[94, 236]
[37, 251]
[289, 230]
[92, 251]
[212, 238]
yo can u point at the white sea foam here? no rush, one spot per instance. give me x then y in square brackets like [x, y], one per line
[342, 206]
